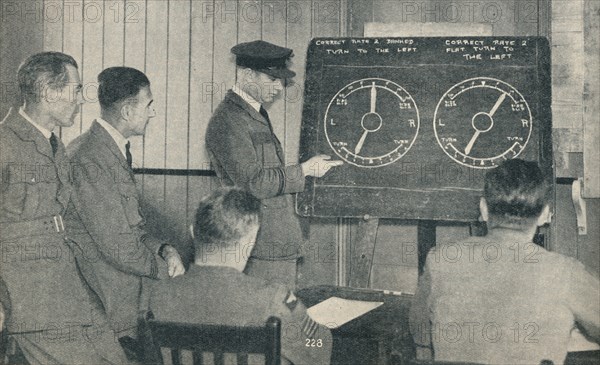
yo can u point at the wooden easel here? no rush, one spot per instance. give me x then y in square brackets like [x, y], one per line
[363, 249]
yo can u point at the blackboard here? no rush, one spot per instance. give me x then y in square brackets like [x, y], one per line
[419, 121]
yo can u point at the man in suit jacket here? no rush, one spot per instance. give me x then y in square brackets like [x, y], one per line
[52, 315]
[246, 153]
[216, 291]
[108, 202]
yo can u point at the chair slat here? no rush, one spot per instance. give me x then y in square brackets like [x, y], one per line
[155, 334]
[176, 356]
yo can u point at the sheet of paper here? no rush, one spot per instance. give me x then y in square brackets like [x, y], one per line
[335, 311]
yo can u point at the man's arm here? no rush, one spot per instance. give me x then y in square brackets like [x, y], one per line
[110, 221]
[303, 341]
[232, 147]
[419, 319]
[582, 297]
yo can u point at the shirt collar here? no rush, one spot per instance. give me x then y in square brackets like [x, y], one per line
[43, 130]
[115, 134]
[247, 98]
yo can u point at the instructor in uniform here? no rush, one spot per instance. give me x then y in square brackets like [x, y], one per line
[246, 153]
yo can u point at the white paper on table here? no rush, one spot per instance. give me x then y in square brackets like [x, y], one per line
[335, 311]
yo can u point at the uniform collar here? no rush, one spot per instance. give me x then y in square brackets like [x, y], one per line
[119, 139]
[43, 130]
[246, 97]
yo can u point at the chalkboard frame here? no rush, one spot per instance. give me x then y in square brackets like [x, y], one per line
[450, 205]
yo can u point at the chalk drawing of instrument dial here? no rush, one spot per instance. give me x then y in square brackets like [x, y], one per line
[371, 122]
[481, 122]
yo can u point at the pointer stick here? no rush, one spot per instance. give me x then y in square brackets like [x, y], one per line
[373, 98]
[361, 142]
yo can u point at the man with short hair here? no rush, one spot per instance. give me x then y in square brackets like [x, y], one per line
[51, 311]
[108, 202]
[502, 299]
[245, 152]
[216, 291]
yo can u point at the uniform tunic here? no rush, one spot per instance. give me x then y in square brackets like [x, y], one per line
[246, 153]
[224, 296]
[40, 256]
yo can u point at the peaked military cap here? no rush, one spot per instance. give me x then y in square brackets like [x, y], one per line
[264, 57]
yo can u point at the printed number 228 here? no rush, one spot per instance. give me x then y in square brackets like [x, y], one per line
[311, 342]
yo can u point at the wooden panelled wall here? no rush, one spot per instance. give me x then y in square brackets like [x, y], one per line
[184, 48]
[184, 45]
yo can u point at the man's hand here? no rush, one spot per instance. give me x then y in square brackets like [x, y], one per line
[319, 165]
[173, 260]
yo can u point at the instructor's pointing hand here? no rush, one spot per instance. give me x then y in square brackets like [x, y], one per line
[319, 165]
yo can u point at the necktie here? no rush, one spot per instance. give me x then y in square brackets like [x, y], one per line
[128, 154]
[264, 113]
[53, 143]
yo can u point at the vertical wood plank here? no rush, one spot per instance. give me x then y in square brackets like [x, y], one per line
[326, 18]
[53, 25]
[73, 45]
[201, 48]
[591, 101]
[298, 38]
[21, 36]
[135, 56]
[92, 57]
[156, 69]
[114, 33]
[178, 104]
[274, 31]
[501, 13]
[250, 19]
[526, 16]
[361, 11]
[225, 37]
[178, 84]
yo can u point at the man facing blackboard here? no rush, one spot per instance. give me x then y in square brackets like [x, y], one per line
[245, 152]
[504, 299]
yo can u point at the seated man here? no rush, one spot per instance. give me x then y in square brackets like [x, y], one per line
[216, 291]
[501, 299]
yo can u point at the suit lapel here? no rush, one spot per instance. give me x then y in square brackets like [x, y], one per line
[101, 135]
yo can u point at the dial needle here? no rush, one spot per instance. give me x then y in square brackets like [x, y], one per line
[497, 105]
[373, 98]
[490, 114]
[361, 142]
[472, 142]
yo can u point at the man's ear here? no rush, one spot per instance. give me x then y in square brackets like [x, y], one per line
[192, 231]
[483, 210]
[545, 217]
[125, 109]
[247, 74]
